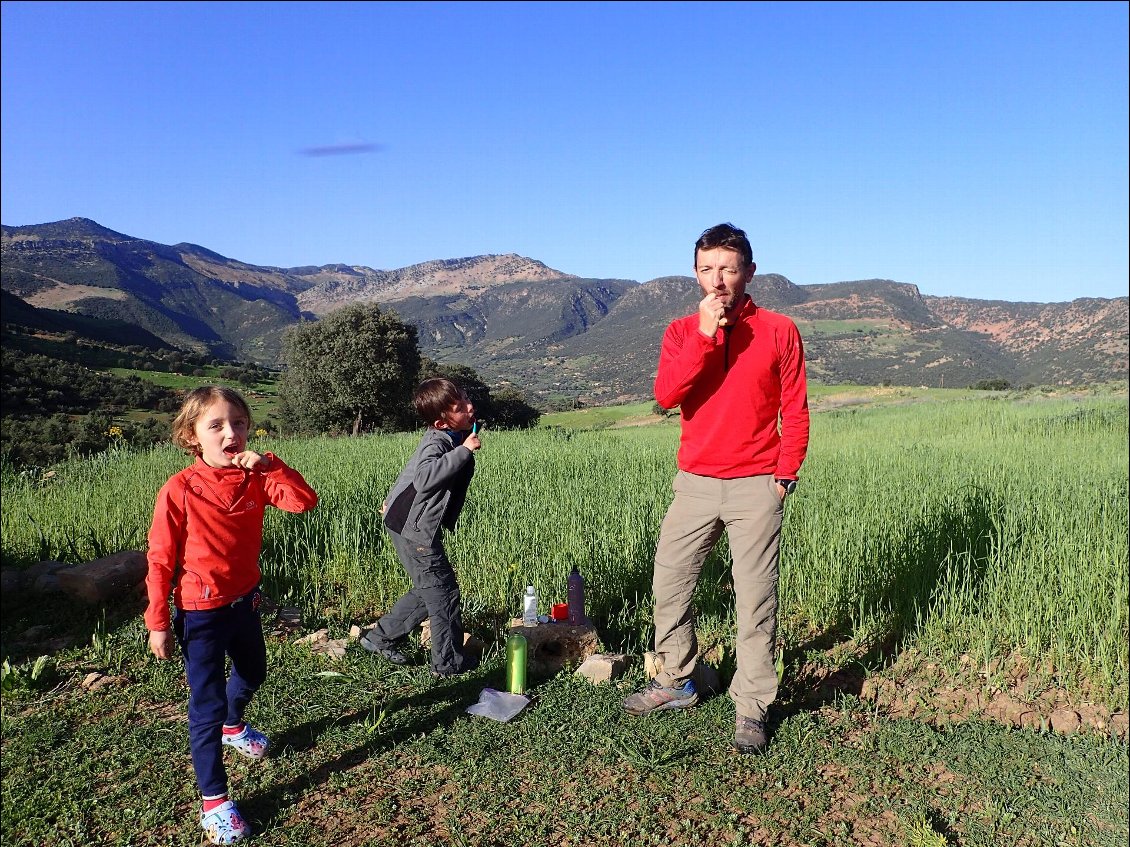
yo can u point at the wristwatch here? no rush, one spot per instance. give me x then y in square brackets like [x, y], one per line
[788, 484]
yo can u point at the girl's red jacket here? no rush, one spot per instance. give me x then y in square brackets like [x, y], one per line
[207, 532]
[742, 394]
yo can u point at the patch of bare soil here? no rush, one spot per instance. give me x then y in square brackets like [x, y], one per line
[1007, 691]
[63, 294]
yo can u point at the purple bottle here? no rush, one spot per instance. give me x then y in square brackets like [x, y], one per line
[576, 592]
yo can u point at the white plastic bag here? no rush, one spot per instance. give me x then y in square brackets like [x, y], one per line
[498, 705]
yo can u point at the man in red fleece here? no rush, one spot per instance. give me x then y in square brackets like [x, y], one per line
[736, 371]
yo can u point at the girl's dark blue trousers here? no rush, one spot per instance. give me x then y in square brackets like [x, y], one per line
[207, 638]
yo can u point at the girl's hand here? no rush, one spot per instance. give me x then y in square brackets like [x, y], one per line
[161, 644]
[472, 443]
[251, 461]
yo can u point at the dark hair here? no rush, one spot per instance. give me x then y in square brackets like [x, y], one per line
[194, 405]
[728, 236]
[436, 396]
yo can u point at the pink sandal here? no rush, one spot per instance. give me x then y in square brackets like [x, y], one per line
[224, 824]
[251, 742]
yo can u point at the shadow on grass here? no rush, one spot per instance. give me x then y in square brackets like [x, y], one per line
[946, 549]
[949, 548]
[439, 705]
[36, 625]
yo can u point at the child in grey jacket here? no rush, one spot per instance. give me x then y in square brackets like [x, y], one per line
[426, 499]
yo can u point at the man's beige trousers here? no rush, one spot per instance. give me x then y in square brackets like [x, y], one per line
[750, 511]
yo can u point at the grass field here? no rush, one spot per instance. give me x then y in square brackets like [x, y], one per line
[942, 538]
[261, 397]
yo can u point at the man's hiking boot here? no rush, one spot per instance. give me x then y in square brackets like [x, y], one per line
[656, 698]
[749, 735]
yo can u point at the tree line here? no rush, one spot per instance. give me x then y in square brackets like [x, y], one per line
[352, 372]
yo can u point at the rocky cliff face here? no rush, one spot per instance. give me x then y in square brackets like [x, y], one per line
[335, 286]
[1025, 327]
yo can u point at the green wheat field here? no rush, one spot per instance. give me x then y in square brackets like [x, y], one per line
[967, 530]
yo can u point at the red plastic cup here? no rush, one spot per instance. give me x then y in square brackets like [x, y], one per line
[560, 612]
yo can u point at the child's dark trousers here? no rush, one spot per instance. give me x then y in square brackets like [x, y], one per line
[434, 595]
[206, 638]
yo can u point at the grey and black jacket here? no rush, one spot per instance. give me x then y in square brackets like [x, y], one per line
[430, 491]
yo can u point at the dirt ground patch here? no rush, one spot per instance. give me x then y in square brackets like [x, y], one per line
[1008, 691]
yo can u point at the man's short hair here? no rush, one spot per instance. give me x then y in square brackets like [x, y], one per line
[728, 236]
[434, 397]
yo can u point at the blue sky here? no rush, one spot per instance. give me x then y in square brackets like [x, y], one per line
[973, 149]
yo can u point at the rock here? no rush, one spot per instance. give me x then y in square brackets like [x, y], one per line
[603, 667]
[1119, 724]
[47, 583]
[40, 578]
[320, 642]
[36, 633]
[94, 680]
[11, 582]
[334, 648]
[550, 646]
[42, 568]
[105, 578]
[705, 676]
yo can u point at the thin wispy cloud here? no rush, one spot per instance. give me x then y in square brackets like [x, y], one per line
[343, 149]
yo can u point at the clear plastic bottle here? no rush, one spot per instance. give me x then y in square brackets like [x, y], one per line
[516, 664]
[530, 607]
[576, 592]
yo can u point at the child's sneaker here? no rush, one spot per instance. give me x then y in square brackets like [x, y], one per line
[224, 824]
[251, 742]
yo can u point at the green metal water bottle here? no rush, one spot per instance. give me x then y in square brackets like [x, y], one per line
[516, 664]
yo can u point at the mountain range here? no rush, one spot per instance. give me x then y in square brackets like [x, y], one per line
[554, 335]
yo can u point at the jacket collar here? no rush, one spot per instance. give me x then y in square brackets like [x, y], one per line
[748, 308]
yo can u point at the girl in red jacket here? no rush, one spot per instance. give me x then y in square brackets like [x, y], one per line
[204, 548]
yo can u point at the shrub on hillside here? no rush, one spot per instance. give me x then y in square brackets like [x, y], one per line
[48, 439]
[992, 385]
[36, 385]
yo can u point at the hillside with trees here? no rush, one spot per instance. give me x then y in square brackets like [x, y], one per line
[561, 339]
[67, 391]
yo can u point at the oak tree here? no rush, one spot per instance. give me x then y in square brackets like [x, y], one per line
[352, 371]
